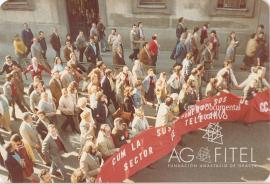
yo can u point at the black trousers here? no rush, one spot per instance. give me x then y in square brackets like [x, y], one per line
[134, 55]
[81, 50]
[113, 99]
[57, 52]
[69, 121]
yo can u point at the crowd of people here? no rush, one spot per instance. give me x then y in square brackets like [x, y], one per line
[106, 106]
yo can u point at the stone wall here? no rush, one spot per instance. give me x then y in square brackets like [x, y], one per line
[44, 17]
[121, 14]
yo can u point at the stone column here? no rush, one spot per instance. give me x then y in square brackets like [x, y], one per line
[103, 11]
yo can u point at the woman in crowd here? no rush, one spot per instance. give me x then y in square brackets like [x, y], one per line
[20, 50]
[149, 85]
[87, 128]
[58, 64]
[139, 123]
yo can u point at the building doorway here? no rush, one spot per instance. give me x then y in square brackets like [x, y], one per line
[81, 14]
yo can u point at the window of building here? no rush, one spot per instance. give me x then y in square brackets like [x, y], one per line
[17, 5]
[236, 8]
[153, 6]
[231, 4]
[152, 3]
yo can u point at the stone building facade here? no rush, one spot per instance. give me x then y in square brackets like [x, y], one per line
[158, 16]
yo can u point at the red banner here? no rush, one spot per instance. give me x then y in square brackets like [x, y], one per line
[155, 143]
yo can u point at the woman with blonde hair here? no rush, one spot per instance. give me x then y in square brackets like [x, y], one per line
[87, 127]
[139, 123]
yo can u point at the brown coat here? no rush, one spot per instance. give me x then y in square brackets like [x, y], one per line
[144, 57]
[67, 52]
[251, 48]
[56, 90]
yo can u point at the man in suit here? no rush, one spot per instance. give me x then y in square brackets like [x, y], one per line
[55, 42]
[35, 97]
[29, 134]
[180, 28]
[107, 88]
[42, 125]
[53, 147]
[91, 53]
[10, 93]
[27, 37]
[100, 113]
[14, 164]
[90, 161]
[42, 43]
[55, 86]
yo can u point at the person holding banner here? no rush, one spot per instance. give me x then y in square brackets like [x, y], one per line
[227, 67]
[211, 88]
[90, 161]
[105, 142]
[164, 114]
[250, 90]
[139, 123]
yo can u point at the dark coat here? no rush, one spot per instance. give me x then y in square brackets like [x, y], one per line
[41, 129]
[179, 30]
[180, 52]
[27, 37]
[90, 54]
[15, 170]
[43, 44]
[99, 113]
[106, 87]
[55, 41]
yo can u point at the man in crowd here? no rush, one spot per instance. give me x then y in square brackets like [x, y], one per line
[27, 37]
[55, 42]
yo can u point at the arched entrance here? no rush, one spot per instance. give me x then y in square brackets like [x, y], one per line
[81, 13]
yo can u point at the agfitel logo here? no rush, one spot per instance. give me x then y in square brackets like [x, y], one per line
[216, 155]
